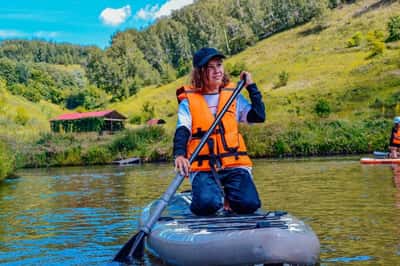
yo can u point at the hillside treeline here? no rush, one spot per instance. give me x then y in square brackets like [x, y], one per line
[44, 52]
[163, 52]
[156, 55]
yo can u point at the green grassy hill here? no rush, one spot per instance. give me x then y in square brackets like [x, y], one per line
[22, 120]
[319, 66]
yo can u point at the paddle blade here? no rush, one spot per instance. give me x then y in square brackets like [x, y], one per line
[133, 249]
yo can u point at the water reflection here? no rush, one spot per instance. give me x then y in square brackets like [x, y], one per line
[83, 215]
[396, 181]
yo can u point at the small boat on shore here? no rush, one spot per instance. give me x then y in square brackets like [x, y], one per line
[128, 161]
[272, 237]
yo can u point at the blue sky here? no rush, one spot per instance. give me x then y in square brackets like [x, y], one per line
[83, 22]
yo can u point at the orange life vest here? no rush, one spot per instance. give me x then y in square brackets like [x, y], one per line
[225, 148]
[396, 137]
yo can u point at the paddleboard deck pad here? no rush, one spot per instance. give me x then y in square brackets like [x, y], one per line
[265, 237]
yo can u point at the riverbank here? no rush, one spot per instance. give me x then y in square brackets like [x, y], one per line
[321, 137]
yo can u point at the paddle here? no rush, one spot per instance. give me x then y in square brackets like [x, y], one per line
[135, 245]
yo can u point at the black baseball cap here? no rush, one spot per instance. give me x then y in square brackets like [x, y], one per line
[202, 56]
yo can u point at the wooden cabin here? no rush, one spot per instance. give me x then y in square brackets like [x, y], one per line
[98, 121]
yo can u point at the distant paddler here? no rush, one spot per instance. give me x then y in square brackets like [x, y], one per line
[394, 144]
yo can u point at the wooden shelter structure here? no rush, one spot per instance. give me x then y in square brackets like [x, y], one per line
[98, 121]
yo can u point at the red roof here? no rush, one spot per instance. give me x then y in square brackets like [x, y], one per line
[75, 116]
[155, 121]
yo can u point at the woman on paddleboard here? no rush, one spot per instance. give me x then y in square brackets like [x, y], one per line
[222, 170]
[394, 144]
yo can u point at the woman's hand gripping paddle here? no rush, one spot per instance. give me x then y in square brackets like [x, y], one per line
[133, 249]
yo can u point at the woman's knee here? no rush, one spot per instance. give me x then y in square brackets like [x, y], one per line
[206, 195]
[247, 205]
[243, 196]
[206, 205]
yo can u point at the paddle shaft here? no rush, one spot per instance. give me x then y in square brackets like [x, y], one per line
[173, 187]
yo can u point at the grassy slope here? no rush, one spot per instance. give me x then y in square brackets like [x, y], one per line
[37, 114]
[319, 66]
[37, 117]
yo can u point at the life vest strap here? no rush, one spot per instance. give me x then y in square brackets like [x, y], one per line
[200, 133]
[202, 158]
[237, 153]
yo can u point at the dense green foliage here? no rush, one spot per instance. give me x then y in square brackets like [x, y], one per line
[45, 52]
[6, 160]
[325, 137]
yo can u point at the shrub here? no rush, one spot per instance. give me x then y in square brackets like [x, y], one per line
[236, 69]
[280, 147]
[7, 160]
[135, 120]
[137, 139]
[378, 103]
[283, 78]
[322, 108]
[375, 43]
[148, 111]
[393, 28]
[97, 155]
[355, 40]
[21, 117]
[70, 156]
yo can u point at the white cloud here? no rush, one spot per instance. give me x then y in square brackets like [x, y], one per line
[12, 34]
[153, 12]
[115, 17]
[45, 34]
[147, 13]
[171, 5]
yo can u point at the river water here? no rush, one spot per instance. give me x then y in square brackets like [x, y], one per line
[83, 215]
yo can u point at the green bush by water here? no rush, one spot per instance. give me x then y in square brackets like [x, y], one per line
[6, 160]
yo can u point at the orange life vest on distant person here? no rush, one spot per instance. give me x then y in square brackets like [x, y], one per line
[396, 136]
[225, 147]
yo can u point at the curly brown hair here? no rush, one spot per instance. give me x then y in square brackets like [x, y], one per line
[199, 78]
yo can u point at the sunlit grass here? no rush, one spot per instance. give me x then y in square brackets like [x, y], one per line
[33, 117]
